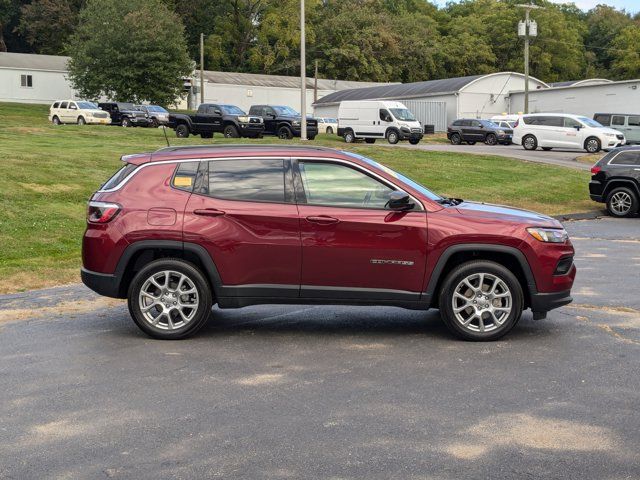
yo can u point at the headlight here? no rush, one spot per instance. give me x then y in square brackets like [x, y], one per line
[89, 114]
[549, 235]
[612, 135]
[296, 123]
[243, 119]
[500, 132]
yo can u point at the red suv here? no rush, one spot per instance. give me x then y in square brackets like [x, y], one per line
[180, 229]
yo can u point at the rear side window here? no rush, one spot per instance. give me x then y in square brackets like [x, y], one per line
[119, 176]
[627, 158]
[185, 176]
[457, 123]
[602, 119]
[259, 180]
[617, 120]
[634, 121]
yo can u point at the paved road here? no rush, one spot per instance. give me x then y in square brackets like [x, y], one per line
[342, 393]
[564, 158]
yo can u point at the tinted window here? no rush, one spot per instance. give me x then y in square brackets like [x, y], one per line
[63, 105]
[475, 123]
[457, 123]
[119, 176]
[56, 105]
[384, 115]
[552, 121]
[603, 119]
[617, 120]
[571, 123]
[341, 186]
[185, 176]
[260, 180]
[627, 158]
[634, 121]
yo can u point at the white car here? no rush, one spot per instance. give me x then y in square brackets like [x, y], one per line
[563, 130]
[327, 125]
[72, 111]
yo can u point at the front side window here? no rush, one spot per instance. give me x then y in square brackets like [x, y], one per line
[475, 123]
[336, 185]
[259, 180]
[589, 122]
[634, 121]
[627, 158]
[384, 115]
[87, 105]
[286, 112]
[232, 110]
[617, 120]
[571, 123]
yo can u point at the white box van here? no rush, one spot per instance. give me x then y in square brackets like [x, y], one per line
[372, 119]
[563, 130]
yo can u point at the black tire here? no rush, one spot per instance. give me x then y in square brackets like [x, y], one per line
[230, 131]
[393, 137]
[472, 332]
[529, 142]
[622, 202]
[81, 120]
[126, 122]
[182, 131]
[546, 149]
[414, 141]
[370, 140]
[329, 131]
[471, 143]
[198, 281]
[491, 139]
[55, 120]
[455, 138]
[592, 145]
[349, 136]
[154, 122]
[285, 133]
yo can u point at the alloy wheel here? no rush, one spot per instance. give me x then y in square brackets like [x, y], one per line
[482, 302]
[621, 203]
[168, 300]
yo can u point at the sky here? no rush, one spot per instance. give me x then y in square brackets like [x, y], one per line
[632, 6]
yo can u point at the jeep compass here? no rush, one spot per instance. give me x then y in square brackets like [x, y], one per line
[178, 230]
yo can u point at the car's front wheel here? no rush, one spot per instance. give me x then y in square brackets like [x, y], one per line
[81, 121]
[393, 137]
[622, 202]
[414, 141]
[529, 142]
[182, 131]
[126, 122]
[491, 139]
[230, 131]
[480, 300]
[285, 133]
[169, 299]
[592, 145]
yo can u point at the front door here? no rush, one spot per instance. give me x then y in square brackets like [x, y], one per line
[353, 246]
[632, 130]
[270, 123]
[243, 212]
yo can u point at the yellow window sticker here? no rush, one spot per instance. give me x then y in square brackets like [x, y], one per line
[182, 181]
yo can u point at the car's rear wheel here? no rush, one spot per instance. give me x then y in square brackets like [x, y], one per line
[393, 137]
[81, 120]
[491, 139]
[349, 136]
[55, 120]
[230, 131]
[285, 133]
[455, 139]
[370, 140]
[182, 131]
[622, 202]
[329, 130]
[169, 299]
[592, 145]
[529, 142]
[480, 300]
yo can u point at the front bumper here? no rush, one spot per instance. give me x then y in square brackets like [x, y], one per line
[140, 122]
[543, 302]
[105, 284]
[414, 134]
[506, 138]
[311, 131]
[98, 121]
[251, 130]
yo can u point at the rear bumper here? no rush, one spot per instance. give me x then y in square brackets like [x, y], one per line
[543, 302]
[105, 284]
[596, 191]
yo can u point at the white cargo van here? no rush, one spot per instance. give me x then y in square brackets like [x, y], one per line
[373, 119]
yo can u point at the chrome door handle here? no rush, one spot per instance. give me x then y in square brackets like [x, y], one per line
[209, 212]
[322, 219]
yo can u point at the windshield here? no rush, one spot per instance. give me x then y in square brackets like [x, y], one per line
[590, 122]
[490, 124]
[406, 180]
[403, 114]
[126, 106]
[156, 108]
[286, 111]
[87, 106]
[231, 110]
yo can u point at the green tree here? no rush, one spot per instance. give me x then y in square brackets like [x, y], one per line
[625, 53]
[47, 24]
[129, 50]
[603, 24]
[8, 10]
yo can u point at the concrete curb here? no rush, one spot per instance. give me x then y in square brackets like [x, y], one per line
[580, 216]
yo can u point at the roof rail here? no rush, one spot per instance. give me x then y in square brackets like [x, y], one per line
[240, 145]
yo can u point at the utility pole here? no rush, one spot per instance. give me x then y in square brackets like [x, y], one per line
[303, 79]
[315, 84]
[202, 68]
[527, 29]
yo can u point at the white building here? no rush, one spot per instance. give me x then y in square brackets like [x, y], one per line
[584, 97]
[30, 78]
[477, 96]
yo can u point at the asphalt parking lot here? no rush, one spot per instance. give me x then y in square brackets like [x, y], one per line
[280, 392]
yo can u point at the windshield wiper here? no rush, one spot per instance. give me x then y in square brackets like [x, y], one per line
[450, 201]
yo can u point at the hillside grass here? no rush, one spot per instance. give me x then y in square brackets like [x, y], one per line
[49, 172]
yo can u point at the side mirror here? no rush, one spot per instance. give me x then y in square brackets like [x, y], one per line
[271, 115]
[400, 201]
[481, 126]
[577, 127]
[217, 112]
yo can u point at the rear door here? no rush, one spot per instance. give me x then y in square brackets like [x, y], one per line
[243, 212]
[353, 246]
[209, 119]
[632, 132]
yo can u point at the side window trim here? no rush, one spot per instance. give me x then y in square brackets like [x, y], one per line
[301, 198]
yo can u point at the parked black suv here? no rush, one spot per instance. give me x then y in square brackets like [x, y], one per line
[210, 118]
[471, 131]
[283, 121]
[125, 114]
[616, 181]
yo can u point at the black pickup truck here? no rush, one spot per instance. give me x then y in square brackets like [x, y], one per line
[283, 121]
[212, 118]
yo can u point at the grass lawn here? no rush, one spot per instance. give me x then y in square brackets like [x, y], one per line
[49, 172]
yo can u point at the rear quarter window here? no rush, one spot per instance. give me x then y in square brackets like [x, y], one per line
[627, 158]
[185, 176]
[119, 176]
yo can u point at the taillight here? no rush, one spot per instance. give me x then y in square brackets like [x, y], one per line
[517, 123]
[595, 169]
[102, 212]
